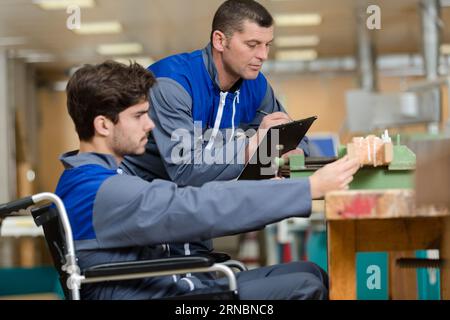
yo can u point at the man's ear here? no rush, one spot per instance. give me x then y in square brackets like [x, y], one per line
[219, 40]
[103, 126]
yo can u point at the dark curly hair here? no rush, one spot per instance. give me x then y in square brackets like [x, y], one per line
[105, 89]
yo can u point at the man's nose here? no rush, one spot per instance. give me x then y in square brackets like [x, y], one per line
[149, 124]
[263, 53]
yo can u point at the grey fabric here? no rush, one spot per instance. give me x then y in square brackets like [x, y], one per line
[74, 159]
[129, 211]
[292, 281]
[209, 64]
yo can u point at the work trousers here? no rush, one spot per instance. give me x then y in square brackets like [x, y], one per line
[290, 281]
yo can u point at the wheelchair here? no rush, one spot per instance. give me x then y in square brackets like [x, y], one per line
[58, 236]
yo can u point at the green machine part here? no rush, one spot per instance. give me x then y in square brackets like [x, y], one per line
[398, 175]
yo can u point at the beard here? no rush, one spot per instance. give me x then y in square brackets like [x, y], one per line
[124, 147]
[239, 73]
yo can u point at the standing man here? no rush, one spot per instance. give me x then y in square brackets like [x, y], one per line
[209, 91]
[204, 100]
[118, 217]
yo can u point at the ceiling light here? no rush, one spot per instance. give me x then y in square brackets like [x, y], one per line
[445, 48]
[143, 61]
[295, 20]
[296, 55]
[34, 56]
[119, 49]
[99, 27]
[63, 4]
[296, 41]
[12, 41]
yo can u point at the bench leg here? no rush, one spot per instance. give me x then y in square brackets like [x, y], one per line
[342, 260]
[444, 254]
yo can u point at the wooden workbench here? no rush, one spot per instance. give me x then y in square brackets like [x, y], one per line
[380, 220]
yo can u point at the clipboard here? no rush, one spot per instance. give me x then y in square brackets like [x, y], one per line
[289, 137]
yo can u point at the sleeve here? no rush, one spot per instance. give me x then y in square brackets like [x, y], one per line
[270, 104]
[144, 213]
[180, 144]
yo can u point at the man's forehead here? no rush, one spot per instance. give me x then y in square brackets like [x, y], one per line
[251, 29]
[139, 107]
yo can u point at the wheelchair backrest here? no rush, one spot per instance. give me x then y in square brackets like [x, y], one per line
[47, 217]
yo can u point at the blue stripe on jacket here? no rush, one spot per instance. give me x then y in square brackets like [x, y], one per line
[78, 188]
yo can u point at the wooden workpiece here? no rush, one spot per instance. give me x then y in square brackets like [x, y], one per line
[371, 151]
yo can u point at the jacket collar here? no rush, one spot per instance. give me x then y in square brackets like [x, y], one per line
[212, 70]
[75, 159]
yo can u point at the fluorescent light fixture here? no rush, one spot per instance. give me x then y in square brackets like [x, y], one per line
[296, 55]
[119, 49]
[12, 41]
[99, 27]
[63, 4]
[296, 41]
[34, 56]
[41, 59]
[445, 48]
[143, 61]
[296, 20]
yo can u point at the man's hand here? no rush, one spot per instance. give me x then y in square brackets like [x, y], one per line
[274, 119]
[286, 155]
[269, 121]
[334, 176]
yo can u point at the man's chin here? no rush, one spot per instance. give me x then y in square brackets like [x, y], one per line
[251, 75]
[140, 151]
[137, 152]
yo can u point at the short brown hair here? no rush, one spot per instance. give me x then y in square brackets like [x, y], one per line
[105, 89]
[230, 16]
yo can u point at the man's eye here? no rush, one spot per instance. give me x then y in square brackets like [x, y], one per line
[251, 45]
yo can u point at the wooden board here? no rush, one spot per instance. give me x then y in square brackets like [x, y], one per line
[376, 204]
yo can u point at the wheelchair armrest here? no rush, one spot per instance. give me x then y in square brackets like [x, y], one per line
[224, 258]
[141, 266]
[7, 209]
[219, 257]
